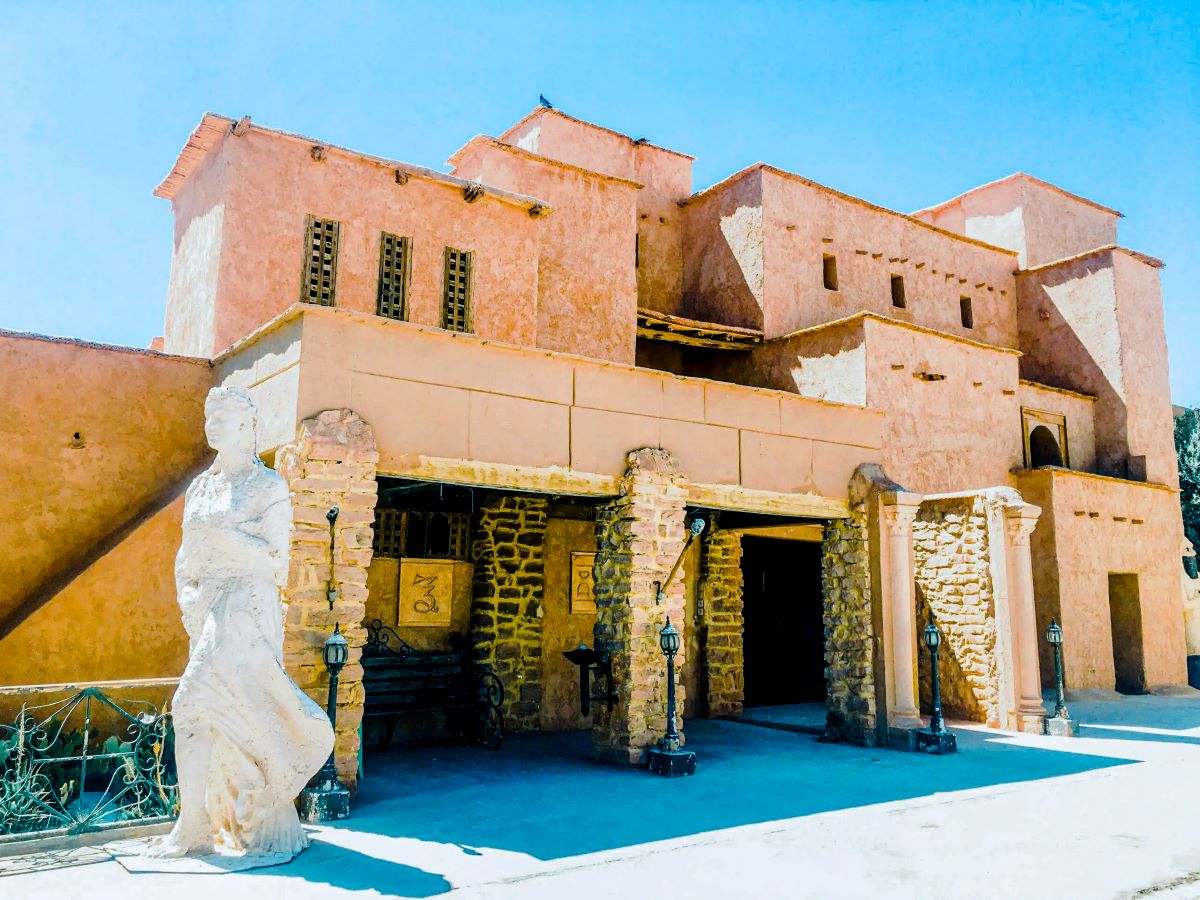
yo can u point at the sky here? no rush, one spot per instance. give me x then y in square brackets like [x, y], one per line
[903, 104]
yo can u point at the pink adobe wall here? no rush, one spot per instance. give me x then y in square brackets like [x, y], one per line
[1092, 532]
[1042, 224]
[267, 185]
[587, 289]
[551, 134]
[958, 433]
[1078, 413]
[801, 223]
[1095, 325]
[723, 275]
[667, 179]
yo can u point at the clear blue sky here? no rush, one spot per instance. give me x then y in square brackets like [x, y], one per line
[904, 104]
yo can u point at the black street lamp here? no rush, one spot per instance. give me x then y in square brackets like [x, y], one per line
[936, 738]
[1060, 724]
[667, 759]
[325, 799]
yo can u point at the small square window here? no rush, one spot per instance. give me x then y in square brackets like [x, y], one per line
[898, 292]
[964, 309]
[829, 272]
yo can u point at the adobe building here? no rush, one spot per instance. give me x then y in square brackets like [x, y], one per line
[521, 381]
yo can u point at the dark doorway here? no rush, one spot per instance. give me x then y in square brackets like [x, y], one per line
[1043, 448]
[1125, 612]
[784, 634]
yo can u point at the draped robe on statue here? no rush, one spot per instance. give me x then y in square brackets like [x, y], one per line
[241, 723]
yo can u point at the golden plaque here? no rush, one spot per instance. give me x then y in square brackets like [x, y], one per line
[583, 599]
[426, 592]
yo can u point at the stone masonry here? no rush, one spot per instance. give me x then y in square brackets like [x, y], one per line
[331, 463]
[638, 538]
[849, 631]
[953, 575]
[506, 613]
[721, 568]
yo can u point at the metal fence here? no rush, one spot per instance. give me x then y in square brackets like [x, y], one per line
[76, 759]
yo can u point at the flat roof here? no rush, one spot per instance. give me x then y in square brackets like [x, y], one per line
[213, 128]
[1098, 251]
[1024, 176]
[554, 111]
[924, 329]
[96, 345]
[833, 192]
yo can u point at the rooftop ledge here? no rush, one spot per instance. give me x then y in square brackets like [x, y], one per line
[1060, 472]
[213, 128]
[923, 329]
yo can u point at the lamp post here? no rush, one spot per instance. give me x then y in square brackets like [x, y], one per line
[1060, 724]
[667, 759]
[325, 799]
[936, 738]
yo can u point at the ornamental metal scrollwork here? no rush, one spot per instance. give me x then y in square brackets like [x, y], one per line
[384, 641]
[60, 773]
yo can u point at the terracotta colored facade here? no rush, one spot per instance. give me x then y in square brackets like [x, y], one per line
[964, 411]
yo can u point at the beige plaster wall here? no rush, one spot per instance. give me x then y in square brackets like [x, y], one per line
[1095, 325]
[1092, 526]
[1077, 410]
[266, 184]
[139, 415]
[802, 222]
[118, 620]
[562, 630]
[551, 415]
[586, 282]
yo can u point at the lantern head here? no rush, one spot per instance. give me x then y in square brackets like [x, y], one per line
[668, 638]
[933, 637]
[336, 651]
[1054, 633]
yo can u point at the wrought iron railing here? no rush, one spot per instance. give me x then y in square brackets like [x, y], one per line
[85, 762]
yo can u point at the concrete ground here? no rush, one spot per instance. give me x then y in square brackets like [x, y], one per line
[770, 813]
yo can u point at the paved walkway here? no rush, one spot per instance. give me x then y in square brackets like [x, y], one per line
[770, 814]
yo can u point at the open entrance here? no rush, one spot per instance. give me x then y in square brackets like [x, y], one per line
[1125, 612]
[784, 635]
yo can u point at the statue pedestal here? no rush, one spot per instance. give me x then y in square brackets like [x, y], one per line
[928, 741]
[1060, 726]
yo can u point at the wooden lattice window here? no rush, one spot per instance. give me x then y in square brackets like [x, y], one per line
[390, 532]
[320, 261]
[456, 290]
[395, 265]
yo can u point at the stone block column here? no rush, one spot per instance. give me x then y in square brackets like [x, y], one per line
[721, 586]
[1020, 520]
[638, 538]
[897, 512]
[506, 612]
[331, 463]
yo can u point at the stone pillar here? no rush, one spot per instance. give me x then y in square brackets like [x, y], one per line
[850, 695]
[638, 538]
[506, 612]
[899, 602]
[721, 569]
[331, 463]
[1020, 520]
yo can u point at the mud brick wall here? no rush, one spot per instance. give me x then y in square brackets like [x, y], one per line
[721, 571]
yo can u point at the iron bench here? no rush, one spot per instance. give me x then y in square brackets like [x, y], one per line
[400, 680]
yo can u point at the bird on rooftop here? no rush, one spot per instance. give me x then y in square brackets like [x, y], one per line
[642, 140]
[544, 102]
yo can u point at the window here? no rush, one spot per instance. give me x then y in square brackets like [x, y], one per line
[456, 290]
[898, 291]
[320, 261]
[964, 310]
[390, 531]
[829, 272]
[1045, 439]
[395, 255]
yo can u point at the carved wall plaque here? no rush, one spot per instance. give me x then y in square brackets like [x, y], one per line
[426, 592]
[583, 600]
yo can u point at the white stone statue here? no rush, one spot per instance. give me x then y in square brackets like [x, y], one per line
[1191, 604]
[247, 739]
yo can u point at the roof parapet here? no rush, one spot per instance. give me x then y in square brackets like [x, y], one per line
[1024, 176]
[483, 140]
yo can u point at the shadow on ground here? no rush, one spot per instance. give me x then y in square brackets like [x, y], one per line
[542, 795]
[350, 870]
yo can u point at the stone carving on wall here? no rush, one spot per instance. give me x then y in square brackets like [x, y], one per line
[247, 739]
[583, 596]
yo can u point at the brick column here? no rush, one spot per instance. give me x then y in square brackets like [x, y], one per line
[721, 571]
[1031, 711]
[331, 463]
[638, 538]
[506, 613]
